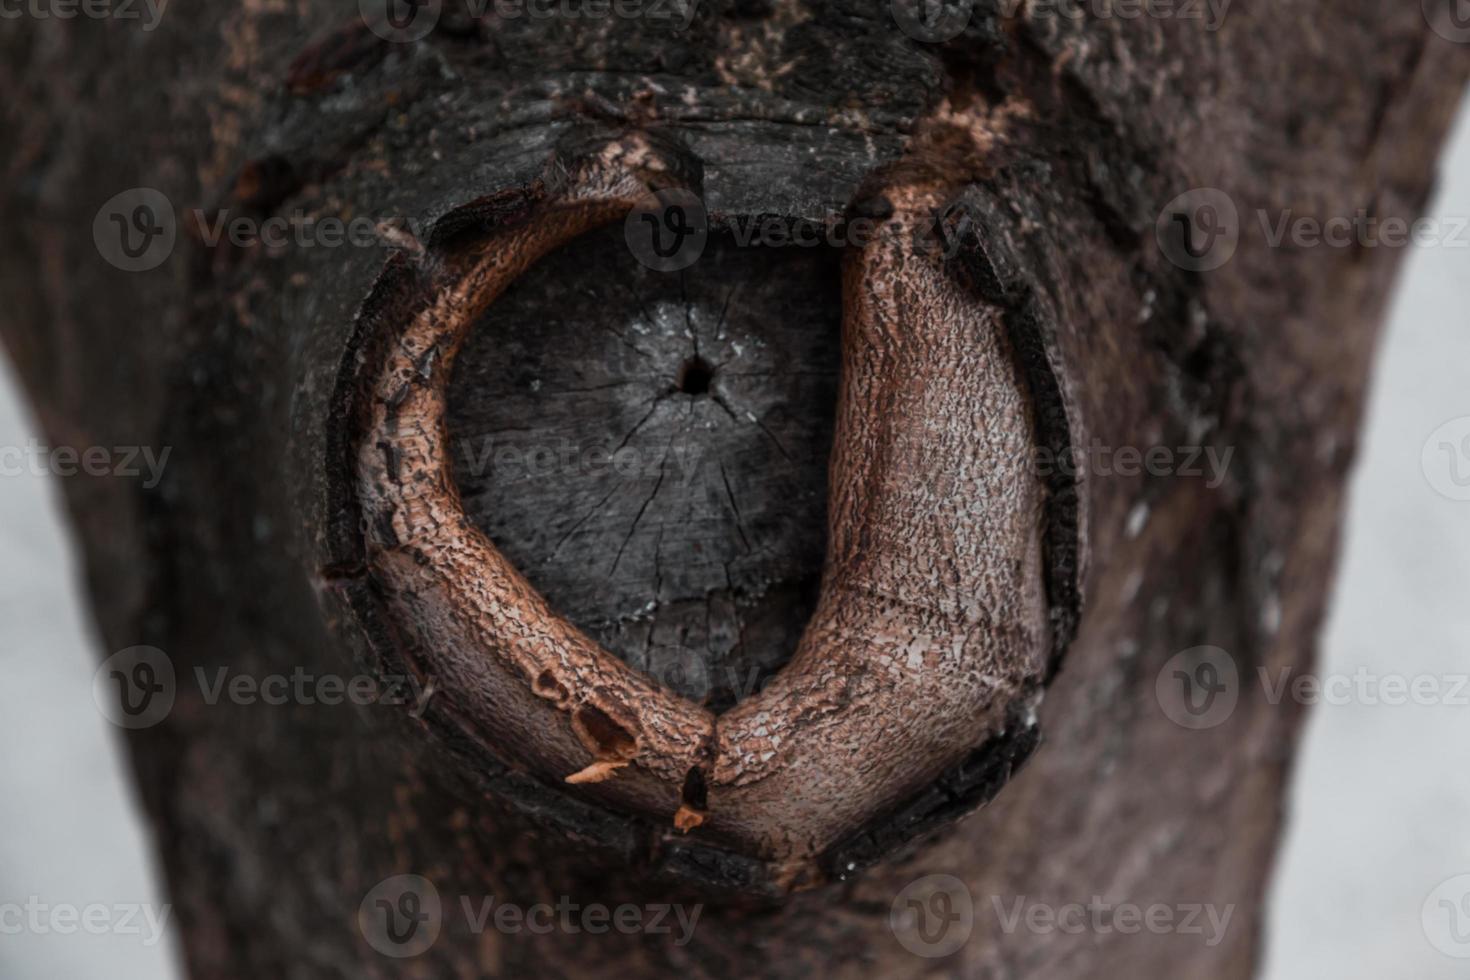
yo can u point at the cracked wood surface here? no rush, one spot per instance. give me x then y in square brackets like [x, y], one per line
[683, 531]
[930, 633]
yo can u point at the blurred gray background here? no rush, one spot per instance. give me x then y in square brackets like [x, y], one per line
[1380, 810]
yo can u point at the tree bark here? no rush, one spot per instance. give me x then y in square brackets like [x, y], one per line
[572, 516]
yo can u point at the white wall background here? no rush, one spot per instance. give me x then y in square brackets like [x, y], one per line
[70, 831]
[1380, 811]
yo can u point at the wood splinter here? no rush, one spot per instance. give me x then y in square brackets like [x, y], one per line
[597, 771]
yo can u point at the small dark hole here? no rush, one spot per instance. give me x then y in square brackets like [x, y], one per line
[695, 376]
[548, 686]
[613, 741]
[696, 793]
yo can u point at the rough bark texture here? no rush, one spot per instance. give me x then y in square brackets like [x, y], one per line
[1059, 140]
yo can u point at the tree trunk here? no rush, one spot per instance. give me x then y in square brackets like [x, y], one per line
[980, 444]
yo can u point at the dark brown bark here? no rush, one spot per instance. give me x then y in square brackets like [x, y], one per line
[1031, 157]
